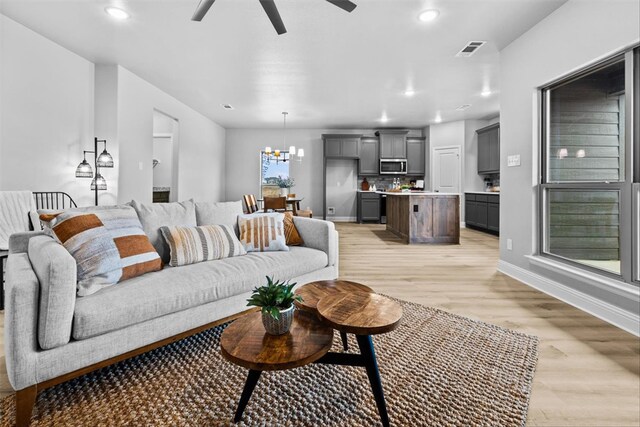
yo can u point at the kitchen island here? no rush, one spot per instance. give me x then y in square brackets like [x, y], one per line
[424, 217]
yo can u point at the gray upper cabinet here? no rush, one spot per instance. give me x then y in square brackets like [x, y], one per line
[415, 156]
[369, 164]
[342, 146]
[393, 144]
[489, 149]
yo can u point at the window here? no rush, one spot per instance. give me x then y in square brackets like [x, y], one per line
[271, 170]
[589, 202]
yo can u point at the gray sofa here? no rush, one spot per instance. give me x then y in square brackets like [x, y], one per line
[52, 336]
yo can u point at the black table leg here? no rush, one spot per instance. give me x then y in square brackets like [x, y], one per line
[366, 350]
[345, 343]
[252, 380]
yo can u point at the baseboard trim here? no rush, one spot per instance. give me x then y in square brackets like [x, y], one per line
[603, 310]
[463, 224]
[342, 219]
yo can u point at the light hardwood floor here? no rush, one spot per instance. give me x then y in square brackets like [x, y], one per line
[588, 371]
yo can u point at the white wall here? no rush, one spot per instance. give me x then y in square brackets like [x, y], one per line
[201, 142]
[575, 35]
[243, 161]
[47, 104]
[471, 180]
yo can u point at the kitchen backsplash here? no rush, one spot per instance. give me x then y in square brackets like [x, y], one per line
[384, 182]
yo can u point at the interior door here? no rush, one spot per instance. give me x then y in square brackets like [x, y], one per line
[446, 170]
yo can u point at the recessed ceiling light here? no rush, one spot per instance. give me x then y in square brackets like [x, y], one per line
[409, 92]
[384, 118]
[428, 15]
[486, 93]
[117, 13]
[438, 119]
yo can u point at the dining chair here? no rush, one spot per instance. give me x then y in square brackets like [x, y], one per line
[251, 203]
[278, 204]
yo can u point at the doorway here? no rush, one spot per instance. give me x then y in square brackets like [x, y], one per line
[165, 142]
[446, 169]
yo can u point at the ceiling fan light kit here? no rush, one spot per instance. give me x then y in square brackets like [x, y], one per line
[270, 9]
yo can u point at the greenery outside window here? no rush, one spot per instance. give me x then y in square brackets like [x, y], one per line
[272, 168]
[589, 202]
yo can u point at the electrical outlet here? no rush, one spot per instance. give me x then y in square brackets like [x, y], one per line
[509, 244]
[331, 211]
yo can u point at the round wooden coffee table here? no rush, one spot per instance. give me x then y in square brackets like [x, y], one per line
[348, 307]
[363, 314]
[246, 343]
[313, 292]
[360, 313]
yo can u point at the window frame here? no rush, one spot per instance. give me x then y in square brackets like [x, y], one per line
[628, 189]
[285, 155]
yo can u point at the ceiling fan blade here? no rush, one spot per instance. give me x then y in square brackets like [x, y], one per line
[202, 10]
[344, 4]
[270, 8]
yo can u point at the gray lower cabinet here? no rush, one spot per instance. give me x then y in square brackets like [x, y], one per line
[482, 212]
[368, 207]
[369, 164]
[489, 149]
[341, 146]
[415, 156]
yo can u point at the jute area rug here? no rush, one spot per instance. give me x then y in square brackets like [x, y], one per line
[437, 369]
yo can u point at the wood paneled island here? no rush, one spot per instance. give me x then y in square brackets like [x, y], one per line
[424, 217]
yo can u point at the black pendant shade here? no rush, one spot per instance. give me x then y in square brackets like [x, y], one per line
[84, 170]
[105, 160]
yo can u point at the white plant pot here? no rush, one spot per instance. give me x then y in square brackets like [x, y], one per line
[284, 192]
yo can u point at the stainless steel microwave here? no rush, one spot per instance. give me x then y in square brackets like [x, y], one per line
[393, 166]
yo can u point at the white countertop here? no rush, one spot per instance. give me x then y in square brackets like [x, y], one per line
[409, 193]
[497, 193]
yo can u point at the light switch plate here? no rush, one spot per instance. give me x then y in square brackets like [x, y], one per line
[513, 160]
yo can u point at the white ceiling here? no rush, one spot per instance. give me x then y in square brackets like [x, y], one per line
[331, 70]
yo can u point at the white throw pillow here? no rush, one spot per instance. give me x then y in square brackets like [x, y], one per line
[262, 232]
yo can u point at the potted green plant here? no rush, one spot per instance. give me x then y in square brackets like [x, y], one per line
[276, 301]
[285, 184]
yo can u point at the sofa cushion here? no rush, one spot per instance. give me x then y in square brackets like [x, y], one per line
[108, 245]
[179, 288]
[262, 232]
[190, 245]
[155, 215]
[291, 233]
[56, 272]
[219, 213]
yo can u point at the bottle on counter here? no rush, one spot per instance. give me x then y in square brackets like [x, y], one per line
[373, 188]
[365, 185]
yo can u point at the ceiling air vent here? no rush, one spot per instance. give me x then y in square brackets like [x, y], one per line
[227, 106]
[470, 49]
[463, 107]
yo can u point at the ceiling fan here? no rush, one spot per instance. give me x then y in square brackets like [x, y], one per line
[270, 9]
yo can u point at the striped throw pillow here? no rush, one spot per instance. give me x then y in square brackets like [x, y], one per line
[109, 245]
[189, 245]
[262, 232]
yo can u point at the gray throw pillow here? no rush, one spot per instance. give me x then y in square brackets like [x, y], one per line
[156, 215]
[219, 213]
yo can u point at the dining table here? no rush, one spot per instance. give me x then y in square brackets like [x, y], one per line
[294, 202]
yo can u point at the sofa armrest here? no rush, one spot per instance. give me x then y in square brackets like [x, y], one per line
[19, 242]
[319, 234]
[21, 321]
